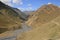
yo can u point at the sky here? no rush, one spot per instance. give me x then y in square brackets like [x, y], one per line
[30, 5]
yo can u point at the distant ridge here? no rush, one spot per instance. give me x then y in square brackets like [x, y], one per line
[3, 5]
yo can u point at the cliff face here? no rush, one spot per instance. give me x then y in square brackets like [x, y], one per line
[43, 15]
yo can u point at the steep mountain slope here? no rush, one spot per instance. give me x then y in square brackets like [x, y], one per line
[43, 15]
[48, 31]
[10, 19]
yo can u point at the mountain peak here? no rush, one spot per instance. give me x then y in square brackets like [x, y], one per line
[48, 7]
[1, 3]
[44, 14]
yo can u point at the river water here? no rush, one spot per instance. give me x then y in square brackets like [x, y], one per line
[24, 28]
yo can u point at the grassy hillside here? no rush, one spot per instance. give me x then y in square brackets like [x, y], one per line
[45, 23]
[9, 18]
[48, 31]
[43, 15]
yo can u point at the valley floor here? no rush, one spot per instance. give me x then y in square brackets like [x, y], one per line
[12, 35]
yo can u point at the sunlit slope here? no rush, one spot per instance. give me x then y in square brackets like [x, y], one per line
[48, 31]
[43, 15]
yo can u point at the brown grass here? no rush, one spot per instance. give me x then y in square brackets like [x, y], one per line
[48, 31]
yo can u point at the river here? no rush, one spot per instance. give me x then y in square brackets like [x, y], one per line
[24, 28]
